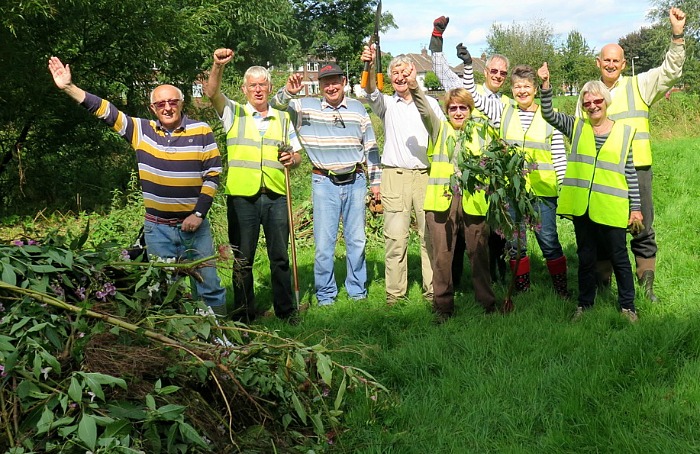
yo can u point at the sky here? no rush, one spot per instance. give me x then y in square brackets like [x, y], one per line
[599, 21]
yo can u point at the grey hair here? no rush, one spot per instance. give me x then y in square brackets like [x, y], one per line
[257, 71]
[596, 87]
[180, 96]
[399, 60]
[497, 57]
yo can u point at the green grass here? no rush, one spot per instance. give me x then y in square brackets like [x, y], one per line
[531, 381]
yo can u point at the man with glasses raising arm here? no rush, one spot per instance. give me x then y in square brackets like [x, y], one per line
[337, 133]
[179, 166]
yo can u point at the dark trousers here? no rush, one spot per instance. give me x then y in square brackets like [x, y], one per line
[614, 240]
[245, 216]
[443, 228]
[644, 244]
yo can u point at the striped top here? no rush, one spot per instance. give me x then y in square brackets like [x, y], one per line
[493, 107]
[565, 123]
[178, 170]
[335, 138]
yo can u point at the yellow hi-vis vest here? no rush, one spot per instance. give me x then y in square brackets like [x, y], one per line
[537, 144]
[595, 180]
[252, 158]
[438, 196]
[628, 107]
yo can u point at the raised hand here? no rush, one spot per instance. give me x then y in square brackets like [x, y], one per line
[677, 17]
[463, 54]
[368, 54]
[294, 84]
[439, 25]
[409, 73]
[61, 74]
[222, 56]
[543, 73]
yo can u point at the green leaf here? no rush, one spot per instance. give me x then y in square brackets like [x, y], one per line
[318, 424]
[75, 391]
[150, 402]
[299, 408]
[104, 379]
[171, 412]
[190, 434]
[116, 428]
[87, 431]
[8, 274]
[323, 364]
[6, 345]
[341, 392]
[45, 421]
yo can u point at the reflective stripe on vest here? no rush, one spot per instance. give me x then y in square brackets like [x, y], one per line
[252, 159]
[595, 181]
[537, 144]
[438, 195]
[629, 108]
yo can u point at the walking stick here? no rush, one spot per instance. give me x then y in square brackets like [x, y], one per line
[290, 218]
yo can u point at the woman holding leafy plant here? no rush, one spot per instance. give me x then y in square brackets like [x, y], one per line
[445, 211]
[600, 191]
[520, 123]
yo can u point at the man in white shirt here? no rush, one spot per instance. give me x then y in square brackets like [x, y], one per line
[404, 176]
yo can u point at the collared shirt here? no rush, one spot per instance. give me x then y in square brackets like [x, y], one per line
[335, 138]
[179, 170]
[228, 117]
[405, 136]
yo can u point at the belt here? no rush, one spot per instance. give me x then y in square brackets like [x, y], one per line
[317, 171]
[173, 222]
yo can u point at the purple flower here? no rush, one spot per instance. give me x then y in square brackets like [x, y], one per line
[80, 293]
[18, 242]
[32, 243]
[326, 392]
[58, 290]
[100, 295]
[125, 255]
[2, 371]
[109, 288]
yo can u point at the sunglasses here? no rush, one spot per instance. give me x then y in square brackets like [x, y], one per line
[597, 102]
[453, 109]
[495, 71]
[170, 102]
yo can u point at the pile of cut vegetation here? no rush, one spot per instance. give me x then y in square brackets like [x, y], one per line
[102, 354]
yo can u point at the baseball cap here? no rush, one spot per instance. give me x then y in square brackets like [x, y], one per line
[330, 69]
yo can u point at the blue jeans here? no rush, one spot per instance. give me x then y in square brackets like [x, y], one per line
[167, 241]
[331, 203]
[547, 236]
[245, 216]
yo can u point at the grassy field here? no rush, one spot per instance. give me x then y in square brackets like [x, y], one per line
[531, 381]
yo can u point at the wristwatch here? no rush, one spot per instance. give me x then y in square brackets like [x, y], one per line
[198, 214]
[678, 36]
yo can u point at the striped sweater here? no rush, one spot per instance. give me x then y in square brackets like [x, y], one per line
[178, 170]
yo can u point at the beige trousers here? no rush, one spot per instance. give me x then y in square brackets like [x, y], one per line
[403, 190]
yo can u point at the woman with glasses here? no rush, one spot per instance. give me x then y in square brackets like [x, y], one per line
[600, 191]
[445, 211]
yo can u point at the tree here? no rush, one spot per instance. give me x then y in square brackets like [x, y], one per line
[431, 81]
[530, 44]
[576, 61]
[54, 154]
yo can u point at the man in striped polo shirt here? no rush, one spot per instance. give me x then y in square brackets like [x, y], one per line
[179, 166]
[338, 136]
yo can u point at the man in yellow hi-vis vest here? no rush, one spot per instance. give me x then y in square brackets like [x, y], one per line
[255, 183]
[631, 98]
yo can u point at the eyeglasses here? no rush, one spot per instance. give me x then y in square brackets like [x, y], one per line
[597, 102]
[338, 120]
[495, 71]
[170, 102]
[263, 85]
[461, 108]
